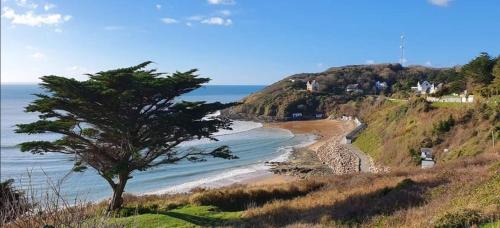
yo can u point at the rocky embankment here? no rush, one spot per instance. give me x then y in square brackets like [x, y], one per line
[339, 157]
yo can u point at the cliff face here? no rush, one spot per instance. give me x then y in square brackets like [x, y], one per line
[279, 100]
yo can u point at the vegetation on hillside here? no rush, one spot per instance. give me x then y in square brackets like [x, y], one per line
[481, 76]
[397, 130]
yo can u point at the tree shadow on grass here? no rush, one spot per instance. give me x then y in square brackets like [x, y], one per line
[356, 208]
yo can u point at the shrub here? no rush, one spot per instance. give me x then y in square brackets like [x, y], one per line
[419, 104]
[443, 126]
[13, 202]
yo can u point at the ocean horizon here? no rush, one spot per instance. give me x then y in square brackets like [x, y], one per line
[248, 140]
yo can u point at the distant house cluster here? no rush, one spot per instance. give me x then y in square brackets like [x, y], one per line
[426, 88]
[301, 116]
[312, 86]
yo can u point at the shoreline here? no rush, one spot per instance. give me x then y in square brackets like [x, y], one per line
[299, 163]
[327, 156]
[252, 174]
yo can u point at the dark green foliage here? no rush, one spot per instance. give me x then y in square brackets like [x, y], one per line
[443, 126]
[479, 70]
[123, 120]
[415, 155]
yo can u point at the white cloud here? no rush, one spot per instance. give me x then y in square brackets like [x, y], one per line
[221, 2]
[38, 55]
[370, 62]
[225, 12]
[189, 24]
[26, 4]
[48, 6]
[168, 20]
[217, 21]
[32, 19]
[442, 3]
[158, 6]
[428, 63]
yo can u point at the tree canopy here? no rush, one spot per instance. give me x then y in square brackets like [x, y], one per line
[123, 120]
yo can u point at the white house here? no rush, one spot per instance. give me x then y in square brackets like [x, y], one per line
[425, 88]
[380, 85]
[353, 88]
[312, 86]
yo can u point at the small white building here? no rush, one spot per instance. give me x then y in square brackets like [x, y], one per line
[466, 98]
[297, 115]
[312, 86]
[427, 158]
[353, 88]
[425, 88]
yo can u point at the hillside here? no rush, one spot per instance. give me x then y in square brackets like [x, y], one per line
[279, 100]
[397, 129]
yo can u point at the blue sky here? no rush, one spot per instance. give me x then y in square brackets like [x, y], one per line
[239, 41]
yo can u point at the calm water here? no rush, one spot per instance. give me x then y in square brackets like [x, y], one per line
[253, 144]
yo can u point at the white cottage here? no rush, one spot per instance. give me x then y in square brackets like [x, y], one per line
[312, 86]
[425, 88]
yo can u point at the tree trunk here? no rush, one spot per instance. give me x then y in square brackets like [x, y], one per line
[118, 189]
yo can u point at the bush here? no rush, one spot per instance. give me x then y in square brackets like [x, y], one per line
[419, 104]
[444, 126]
[13, 202]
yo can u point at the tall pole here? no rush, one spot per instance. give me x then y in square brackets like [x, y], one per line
[402, 60]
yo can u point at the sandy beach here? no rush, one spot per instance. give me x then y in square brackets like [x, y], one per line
[324, 129]
[304, 158]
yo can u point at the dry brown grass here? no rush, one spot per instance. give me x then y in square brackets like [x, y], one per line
[411, 198]
[459, 193]
[237, 199]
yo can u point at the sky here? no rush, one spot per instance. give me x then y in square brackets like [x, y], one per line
[238, 42]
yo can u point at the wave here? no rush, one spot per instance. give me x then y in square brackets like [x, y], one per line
[236, 175]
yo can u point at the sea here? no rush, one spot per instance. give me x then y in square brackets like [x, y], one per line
[252, 143]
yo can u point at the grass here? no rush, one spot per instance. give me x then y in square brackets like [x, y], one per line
[187, 216]
[461, 193]
[495, 224]
[448, 104]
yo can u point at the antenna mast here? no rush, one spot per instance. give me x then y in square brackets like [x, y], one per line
[402, 47]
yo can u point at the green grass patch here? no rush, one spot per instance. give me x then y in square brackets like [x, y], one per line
[188, 216]
[495, 224]
[448, 104]
[369, 142]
